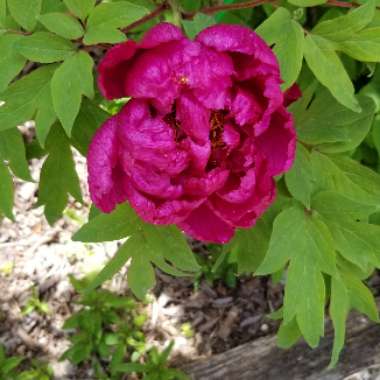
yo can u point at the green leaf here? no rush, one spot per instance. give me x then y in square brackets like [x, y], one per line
[12, 149]
[287, 36]
[339, 307]
[249, 246]
[140, 275]
[347, 177]
[329, 70]
[118, 224]
[169, 243]
[106, 18]
[363, 46]
[361, 297]
[44, 47]
[58, 176]
[80, 8]
[197, 24]
[89, 119]
[23, 97]
[296, 233]
[357, 242]
[3, 12]
[336, 207]
[299, 179]
[25, 12]
[113, 266]
[288, 334]
[62, 24]
[6, 191]
[343, 129]
[11, 62]
[45, 116]
[74, 77]
[306, 302]
[307, 3]
[341, 28]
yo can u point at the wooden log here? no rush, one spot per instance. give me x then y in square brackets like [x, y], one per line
[262, 359]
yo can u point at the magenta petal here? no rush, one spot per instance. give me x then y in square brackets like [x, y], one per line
[278, 142]
[161, 33]
[112, 69]
[204, 224]
[194, 118]
[105, 177]
[292, 94]
[246, 108]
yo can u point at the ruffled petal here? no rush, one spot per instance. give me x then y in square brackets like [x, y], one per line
[161, 33]
[156, 211]
[113, 67]
[204, 224]
[277, 144]
[105, 176]
[194, 118]
[150, 140]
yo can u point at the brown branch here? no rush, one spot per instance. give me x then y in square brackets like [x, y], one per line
[341, 4]
[160, 9]
[229, 7]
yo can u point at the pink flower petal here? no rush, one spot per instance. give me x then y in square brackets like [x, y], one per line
[113, 68]
[204, 224]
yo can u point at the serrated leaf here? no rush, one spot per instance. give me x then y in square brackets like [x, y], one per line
[295, 233]
[287, 36]
[118, 224]
[12, 149]
[44, 47]
[306, 302]
[249, 246]
[6, 191]
[11, 62]
[58, 176]
[341, 28]
[22, 98]
[339, 307]
[299, 179]
[80, 8]
[25, 12]
[73, 77]
[361, 297]
[62, 24]
[197, 24]
[343, 129]
[106, 18]
[329, 70]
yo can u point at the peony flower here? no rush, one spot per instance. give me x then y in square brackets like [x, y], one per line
[203, 135]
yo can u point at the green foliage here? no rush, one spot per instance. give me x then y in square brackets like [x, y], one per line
[108, 331]
[58, 176]
[321, 231]
[287, 37]
[164, 247]
[10, 368]
[106, 18]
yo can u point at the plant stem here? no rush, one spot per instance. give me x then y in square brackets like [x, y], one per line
[156, 12]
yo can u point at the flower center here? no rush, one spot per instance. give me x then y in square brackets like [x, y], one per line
[217, 128]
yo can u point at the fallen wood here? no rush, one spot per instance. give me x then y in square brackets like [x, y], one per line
[262, 359]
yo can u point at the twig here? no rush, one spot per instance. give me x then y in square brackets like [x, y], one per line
[160, 9]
